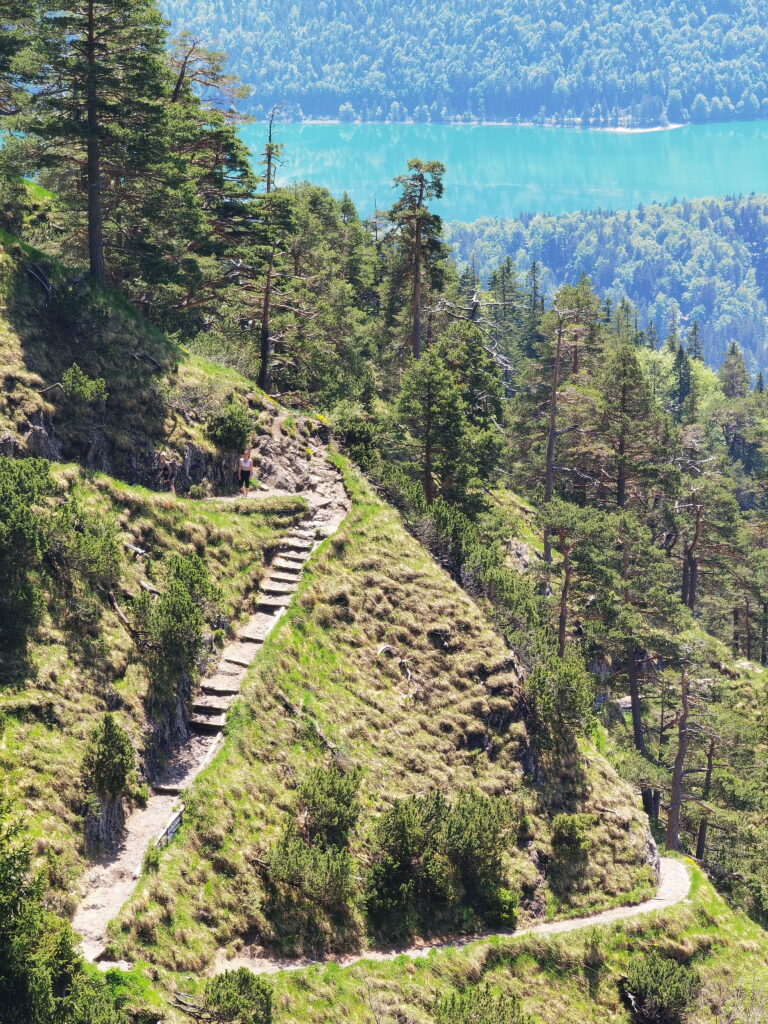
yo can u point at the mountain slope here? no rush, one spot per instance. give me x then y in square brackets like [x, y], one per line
[381, 664]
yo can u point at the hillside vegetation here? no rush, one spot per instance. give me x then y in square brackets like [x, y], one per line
[648, 62]
[702, 261]
[535, 649]
[383, 673]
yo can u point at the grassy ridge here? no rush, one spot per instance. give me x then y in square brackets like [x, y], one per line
[384, 663]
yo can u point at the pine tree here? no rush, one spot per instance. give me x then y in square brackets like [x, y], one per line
[16, 21]
[628, 428]
[682, 386]
[420, 231]
[693, 344]
[99, 109]
[430, 406]
[530, 337]
[733, 373]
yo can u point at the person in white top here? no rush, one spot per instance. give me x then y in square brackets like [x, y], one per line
[244, 470]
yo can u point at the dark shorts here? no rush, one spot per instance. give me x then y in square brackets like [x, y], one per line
[245, 477]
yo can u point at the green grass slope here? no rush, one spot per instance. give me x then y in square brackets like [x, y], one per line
[81, 660]
[382, 663]
[573, 977]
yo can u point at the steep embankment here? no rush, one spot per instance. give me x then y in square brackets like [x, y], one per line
[110, 882]
[157, 421]
[383, 664]
[82, 659]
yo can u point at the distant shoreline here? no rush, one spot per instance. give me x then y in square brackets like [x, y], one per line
[616, 129]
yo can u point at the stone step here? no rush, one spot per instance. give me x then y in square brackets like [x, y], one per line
[207, 723]
[268, 603]
[279, 587]
[286, 576]
[291, 558]
[241, 653]
[256, 629]
[208, 704]
[171, 789]
[297, 544]
[233, 671]
[220, 686]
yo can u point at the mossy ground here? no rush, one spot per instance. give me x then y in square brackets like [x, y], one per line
[382, 655]
[74, 670]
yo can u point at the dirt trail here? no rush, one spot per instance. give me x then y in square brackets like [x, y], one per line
[674, 886]
[109, 882]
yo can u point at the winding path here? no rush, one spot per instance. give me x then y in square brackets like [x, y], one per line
[110, 881]
[674, 886]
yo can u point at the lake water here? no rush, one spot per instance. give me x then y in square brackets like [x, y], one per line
[499, 170]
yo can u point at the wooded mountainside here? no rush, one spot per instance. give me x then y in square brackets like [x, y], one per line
[698, 260]
[643, 60]
[597, 492]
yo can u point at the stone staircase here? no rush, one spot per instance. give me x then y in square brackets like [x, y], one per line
[217, 692]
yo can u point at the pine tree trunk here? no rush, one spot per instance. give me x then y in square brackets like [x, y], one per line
[93, 159]
[633, 671]
[701, 839]
[748, 631]
[621, 471]
[563, 620]
[676, 799]
[736, 641]
[264, 380]
[429, 482]
[693, 582]
[549, 471]
[416, 306]
[764, 635]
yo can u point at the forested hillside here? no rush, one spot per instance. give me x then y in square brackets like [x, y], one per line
[700, 261]
[526, 648]
[644, 61]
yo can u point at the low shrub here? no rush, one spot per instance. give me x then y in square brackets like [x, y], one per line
[570, 833]
[659, 990]
[431, 857]
[109, 760]
[328, 806]
[231, 428]
[479, 1006]
[240, 997]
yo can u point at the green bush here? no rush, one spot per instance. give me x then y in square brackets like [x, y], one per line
[328, 806]
[171, 629]
[659, 990]
[81, 389]
[322, 876]
[85, 557]
[559, 694]
[239, 997]
[42, 978]
[570, 833]
[430, 857]
[479, 1006]
[231, 428]
[109, 760]
[151, 862]
[25, 484]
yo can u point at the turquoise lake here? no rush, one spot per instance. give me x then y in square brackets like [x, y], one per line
[500, 170]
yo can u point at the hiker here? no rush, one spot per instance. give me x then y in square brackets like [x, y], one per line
[244, 470]
[168, 470]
